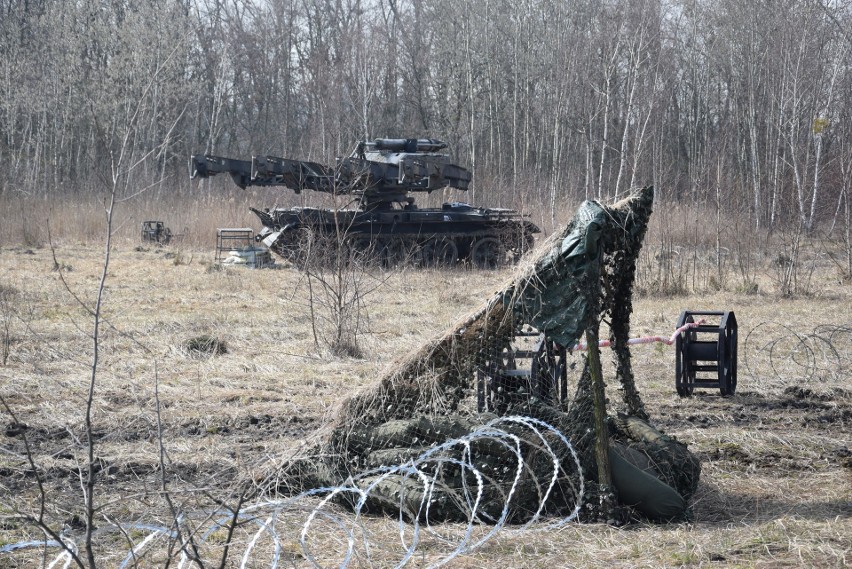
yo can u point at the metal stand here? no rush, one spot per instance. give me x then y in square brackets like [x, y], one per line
[709, 348]
[229, 239]
[545, 376]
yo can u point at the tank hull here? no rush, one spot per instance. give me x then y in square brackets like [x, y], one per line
[447, 236]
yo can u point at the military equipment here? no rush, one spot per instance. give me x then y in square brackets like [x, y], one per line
[385, 225]
[156, 232]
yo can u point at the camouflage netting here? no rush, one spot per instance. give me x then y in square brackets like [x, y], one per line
[579, 277]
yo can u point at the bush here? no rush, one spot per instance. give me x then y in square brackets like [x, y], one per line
[205, 345]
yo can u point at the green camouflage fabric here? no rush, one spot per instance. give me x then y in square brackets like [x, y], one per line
[556, 298]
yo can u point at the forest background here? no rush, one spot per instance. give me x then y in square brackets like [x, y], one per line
[739, 109]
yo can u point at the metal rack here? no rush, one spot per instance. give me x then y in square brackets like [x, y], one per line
[231, 238]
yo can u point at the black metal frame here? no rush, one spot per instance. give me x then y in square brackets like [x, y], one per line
[706, 348]
[500, 381]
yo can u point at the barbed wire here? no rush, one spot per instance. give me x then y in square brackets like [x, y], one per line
[790, 354]
[317, 512]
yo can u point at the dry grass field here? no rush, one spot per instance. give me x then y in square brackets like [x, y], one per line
[776, 483]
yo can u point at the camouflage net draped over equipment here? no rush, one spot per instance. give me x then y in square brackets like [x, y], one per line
[580, 276]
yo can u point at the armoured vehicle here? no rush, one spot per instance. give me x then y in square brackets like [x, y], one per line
[385, 224]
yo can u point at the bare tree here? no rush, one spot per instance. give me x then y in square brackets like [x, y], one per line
[547, 101]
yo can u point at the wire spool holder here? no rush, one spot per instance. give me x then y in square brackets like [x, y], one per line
[706, 353]
[542, 373]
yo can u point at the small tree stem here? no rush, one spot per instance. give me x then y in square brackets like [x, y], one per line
[601, 431]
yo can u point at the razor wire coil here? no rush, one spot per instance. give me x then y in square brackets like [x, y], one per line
[793, 355]
[317, 505]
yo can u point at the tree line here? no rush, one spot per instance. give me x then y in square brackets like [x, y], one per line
[743, 105]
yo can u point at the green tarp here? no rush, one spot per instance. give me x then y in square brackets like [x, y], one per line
[554, 298]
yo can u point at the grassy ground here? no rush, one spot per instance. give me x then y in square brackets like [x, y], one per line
[776, 485]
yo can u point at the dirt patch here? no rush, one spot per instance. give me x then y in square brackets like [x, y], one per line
[264, 425]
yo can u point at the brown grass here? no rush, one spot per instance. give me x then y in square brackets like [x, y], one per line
[776, 462]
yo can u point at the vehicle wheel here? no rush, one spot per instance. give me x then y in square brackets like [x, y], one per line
[362, 250]
[292, 245]
[394, 252]
[517, 246]
[439, 252]
[728, 362]
[488, 253]
[527, 243]
[323, 249]
[684, 374]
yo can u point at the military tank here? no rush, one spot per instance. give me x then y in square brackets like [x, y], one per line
[383, 223]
